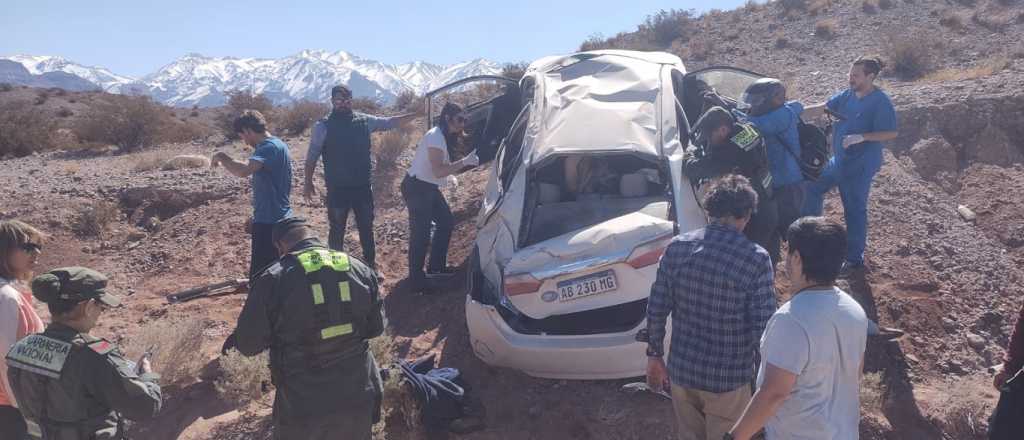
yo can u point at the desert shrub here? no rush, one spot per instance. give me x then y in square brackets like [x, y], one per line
[388, 146]
[514, 70]
[790, 6]
[129, 122]
[869, 6]
[93, 219]
[781, 42]
[995, 20]
[149, 160]
[239, 101]
[25, 129]
[41, 97]
[698, 49]
[299, 116]
[64, 112]
[6, 87]
[910, 57]
[665, 27]
[816, 7]
[886, 4]
[985, 68]
[193, 113]
[594, 42]
[825, 29]
[59, 91]
[174, 344]
[952, 19]
[366, 105]
[409, 102]
[242, 378]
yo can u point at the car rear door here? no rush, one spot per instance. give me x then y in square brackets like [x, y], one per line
[490, 103]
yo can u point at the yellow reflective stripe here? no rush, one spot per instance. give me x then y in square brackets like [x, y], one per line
[318, 294]
[334, 331]
[346, 296]
[315, 259]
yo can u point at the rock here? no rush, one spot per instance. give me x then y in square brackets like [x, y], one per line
[966, 213]
[993, 146]
[975, 341]
[950, 325]
[934, 156]
[136, 236]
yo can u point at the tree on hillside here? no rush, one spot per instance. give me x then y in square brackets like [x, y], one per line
[129, 122]
[239, 101]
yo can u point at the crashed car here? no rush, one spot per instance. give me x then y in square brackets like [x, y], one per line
[584, 195]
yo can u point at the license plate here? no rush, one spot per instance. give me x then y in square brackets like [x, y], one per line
[587, 285]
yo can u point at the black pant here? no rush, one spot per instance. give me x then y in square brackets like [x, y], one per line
[426, 205]
[763, 225]
[339, 202]
[790, 202]
[12, 425]
[263, 251]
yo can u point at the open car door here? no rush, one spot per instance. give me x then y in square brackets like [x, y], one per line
[728, 82]
[494, 103]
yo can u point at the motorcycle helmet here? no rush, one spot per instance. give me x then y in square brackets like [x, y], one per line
[760, 97]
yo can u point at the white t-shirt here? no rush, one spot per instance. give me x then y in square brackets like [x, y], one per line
[820, 336]
[420, 168]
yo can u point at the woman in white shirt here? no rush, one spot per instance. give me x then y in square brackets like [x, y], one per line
[20, 246]
[431, 168]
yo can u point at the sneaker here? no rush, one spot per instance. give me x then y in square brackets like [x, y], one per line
[851, 269]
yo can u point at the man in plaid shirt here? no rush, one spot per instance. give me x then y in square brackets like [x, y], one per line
[719, 288]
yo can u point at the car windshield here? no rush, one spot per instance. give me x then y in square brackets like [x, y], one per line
[573, 192]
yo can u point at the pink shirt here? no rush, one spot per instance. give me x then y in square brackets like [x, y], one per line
[18, 319]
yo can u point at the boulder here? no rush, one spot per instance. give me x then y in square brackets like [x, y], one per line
[934, 156]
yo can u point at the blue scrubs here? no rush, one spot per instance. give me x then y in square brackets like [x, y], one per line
[853, 169]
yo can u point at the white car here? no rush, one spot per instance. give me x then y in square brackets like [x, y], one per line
[585, 193]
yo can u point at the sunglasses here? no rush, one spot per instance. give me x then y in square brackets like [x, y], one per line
[32, 248]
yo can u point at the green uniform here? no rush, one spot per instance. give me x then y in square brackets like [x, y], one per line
[314, 309]
[72, 386]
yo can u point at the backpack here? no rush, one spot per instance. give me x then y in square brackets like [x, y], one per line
[814, 151]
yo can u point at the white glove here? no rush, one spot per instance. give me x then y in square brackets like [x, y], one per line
[451, 182]
[471, 159]
[852, 139]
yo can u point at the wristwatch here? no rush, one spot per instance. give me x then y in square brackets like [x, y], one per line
[651, 352]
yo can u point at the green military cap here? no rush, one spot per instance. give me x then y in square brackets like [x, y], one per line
[285, 226]
[710, 121]
[73, 285]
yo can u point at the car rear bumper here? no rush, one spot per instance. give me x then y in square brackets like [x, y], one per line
[584, 357]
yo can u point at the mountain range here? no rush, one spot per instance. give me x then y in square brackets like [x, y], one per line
[200, 80]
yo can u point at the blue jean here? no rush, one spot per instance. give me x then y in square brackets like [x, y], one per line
[853, 177]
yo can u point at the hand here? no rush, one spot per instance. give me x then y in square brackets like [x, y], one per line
[1000, 378]
[657, 374]
[851, 140]
[229, 343]
[145, 366]
[219, 158]
[471, 159]
[308, 192]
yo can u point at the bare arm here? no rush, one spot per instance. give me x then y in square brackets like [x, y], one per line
[880, 136]
[240, 169]
[778, 383]
[437, 165]
[815, 111]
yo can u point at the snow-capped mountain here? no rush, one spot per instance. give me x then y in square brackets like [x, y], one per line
[195, 79]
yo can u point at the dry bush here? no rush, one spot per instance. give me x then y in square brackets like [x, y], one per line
[514, 70]
[791, 6]
[59, 91]
[825, 29]
[872, 392]
[129, 122]
[95, 218]
[987, 67]
[388, 147]
[869, 6]
[698, 49]
[175, 348]
[366, 105]
[298, 117]
[911, 57]
[886, 4]
[963, 414]
[665, 27]
[595, 42]
[149, 160]
[994, 19]
[816, 7]
[952, 19]
[238, 102]
[25, 129]
[781, 42]
[64, 112]
[242, 378]
[6, 87]
[409, 102]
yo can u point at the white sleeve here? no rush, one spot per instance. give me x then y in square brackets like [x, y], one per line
[8, 333]
[786, 345]
[436, 140]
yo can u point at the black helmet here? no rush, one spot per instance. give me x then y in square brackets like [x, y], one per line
[760, 96]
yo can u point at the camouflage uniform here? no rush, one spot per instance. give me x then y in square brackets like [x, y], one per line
[74, 386]
[314, 309]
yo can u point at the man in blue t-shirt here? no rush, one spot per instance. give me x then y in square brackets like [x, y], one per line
[271, 169]
[777, 120]
[869, 120]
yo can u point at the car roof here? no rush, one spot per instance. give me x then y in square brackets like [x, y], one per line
[599, 101]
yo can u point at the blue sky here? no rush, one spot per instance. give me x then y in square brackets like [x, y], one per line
[135, 38]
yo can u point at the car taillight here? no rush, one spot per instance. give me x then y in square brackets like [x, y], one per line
[648, 253]
[521, 284]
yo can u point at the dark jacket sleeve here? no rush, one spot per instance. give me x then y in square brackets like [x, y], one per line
[112, 377]
[373, 322]
[1014, 360]
[252, 334]
[697, 166]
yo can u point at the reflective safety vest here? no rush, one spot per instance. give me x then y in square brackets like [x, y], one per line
[328, 274]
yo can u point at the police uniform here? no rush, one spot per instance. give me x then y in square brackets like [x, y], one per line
[71, 385]
[742, 153]
[314, 309]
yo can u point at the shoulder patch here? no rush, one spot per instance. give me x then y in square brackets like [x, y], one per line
[101, 346]
[39, 354]
[746, 138]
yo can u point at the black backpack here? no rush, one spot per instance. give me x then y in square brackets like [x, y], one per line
[814, 151]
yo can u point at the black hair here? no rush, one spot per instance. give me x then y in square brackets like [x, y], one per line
[341, 90]
[871, 64]
[60, 309]
[730, 196]
[252, 120]
[821, 244]
[449, 110]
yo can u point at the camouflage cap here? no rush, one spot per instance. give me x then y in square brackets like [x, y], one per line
[712, 119]
[73, 285]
